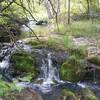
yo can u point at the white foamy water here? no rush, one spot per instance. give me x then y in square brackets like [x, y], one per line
[4, 64]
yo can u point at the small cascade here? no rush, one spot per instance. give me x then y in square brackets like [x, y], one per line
[5, 55]
[49, 76]
[49, 71]
[5, 62]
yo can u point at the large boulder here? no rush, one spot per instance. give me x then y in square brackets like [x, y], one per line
[73, 69]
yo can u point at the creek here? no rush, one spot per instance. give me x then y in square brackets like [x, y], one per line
[48, 82]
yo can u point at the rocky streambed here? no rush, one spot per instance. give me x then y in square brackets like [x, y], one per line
[44, 73]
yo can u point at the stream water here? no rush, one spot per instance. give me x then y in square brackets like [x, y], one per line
[48, 83]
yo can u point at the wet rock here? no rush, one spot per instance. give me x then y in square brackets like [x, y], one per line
[58, 57]
[93, 51]
[25, 94]
[94, 60]
[94, 64]
[41, 22]
[81, 41]
[88, 94]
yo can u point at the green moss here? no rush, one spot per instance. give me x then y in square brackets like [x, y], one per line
[23, 62]
[73, 69]
[50, 43]
[37, 44]
[66, 94]
[80, 53]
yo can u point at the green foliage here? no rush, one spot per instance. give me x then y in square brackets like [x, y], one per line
[6, 87]
[80, 28]
[27, 78]
[23, 62]
[67, 41]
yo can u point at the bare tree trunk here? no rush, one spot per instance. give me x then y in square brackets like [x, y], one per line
[51, 9]
[98, 2]
[68, 11]
[58, 6]
[48, 8]
[88, 6]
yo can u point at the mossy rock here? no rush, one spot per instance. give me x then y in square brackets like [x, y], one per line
[78, 52]
[49, 44]
[88, 94]
[73, 69]
[37, 44]
[23, 63]
[94, 60]
[68, 95]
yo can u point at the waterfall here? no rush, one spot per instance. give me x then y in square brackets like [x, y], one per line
[4, 54]
[48, 70]
[49, 75]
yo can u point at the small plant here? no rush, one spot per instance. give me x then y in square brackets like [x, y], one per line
[66, 94]
[27, 78]
[6, 87]
[67, 41]
[88, 94]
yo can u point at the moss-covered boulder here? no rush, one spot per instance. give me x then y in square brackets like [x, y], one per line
[73, 69]
[68, 95]
[23, 63]
[88, 94]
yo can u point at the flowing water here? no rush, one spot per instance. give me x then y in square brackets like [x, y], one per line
[49, 81]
